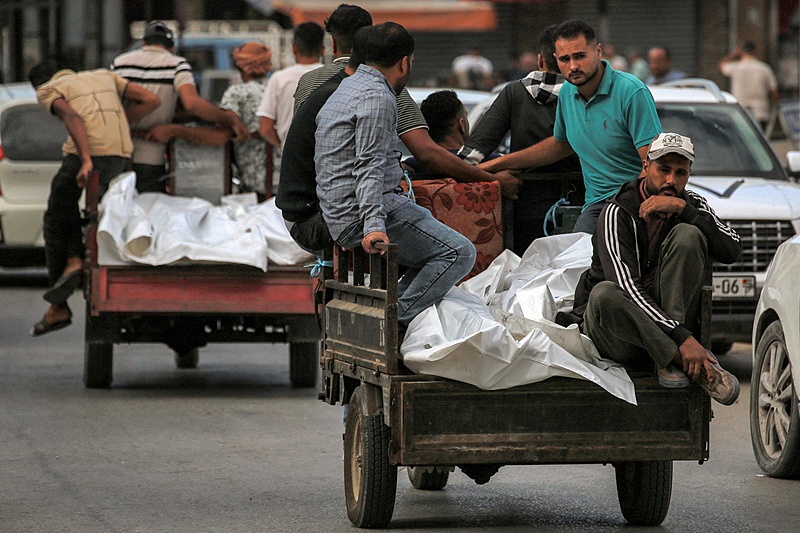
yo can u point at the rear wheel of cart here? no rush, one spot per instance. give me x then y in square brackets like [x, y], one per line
[644, 489]
[187, 359]
[370, 480]
[98, 358]
[303, 363]
[427, 477]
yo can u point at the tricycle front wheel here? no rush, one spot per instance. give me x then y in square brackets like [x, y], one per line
[644, 489]
[370, 480]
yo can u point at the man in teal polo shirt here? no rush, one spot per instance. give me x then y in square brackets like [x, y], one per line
[605, 116]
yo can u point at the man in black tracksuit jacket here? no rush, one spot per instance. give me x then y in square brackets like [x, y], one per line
[641, 296]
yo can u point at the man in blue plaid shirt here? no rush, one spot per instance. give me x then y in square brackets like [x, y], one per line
[359, 174]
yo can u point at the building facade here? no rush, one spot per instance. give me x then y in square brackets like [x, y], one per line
[89, 33]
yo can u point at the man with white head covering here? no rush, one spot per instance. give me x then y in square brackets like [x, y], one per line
[254, 61]
[640, 299]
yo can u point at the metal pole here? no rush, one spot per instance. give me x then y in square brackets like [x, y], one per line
[733, 24]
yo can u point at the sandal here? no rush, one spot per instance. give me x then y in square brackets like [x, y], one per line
[42, 327]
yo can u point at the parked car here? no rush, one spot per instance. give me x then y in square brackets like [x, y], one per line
[30, 155]
[16, 91]
[468, 97]
[739, 174]
[774, 422]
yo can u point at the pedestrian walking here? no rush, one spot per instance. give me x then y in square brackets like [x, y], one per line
[753, 82]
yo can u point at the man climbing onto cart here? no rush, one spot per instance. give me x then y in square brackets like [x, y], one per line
[641, 295]
[359, 173]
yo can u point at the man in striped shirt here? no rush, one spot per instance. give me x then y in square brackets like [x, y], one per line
[640, 300]
[169, 76]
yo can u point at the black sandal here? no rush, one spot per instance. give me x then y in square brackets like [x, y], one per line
[42, 327]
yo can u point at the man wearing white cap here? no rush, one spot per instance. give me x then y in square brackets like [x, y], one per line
[640, 299]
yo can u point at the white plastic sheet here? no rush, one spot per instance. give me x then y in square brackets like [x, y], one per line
[496, 330]
[159, 229]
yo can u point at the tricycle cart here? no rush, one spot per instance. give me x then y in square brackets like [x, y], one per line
[188, 306]
[431, 425]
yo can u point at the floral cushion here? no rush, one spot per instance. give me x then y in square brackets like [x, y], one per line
[472, 209]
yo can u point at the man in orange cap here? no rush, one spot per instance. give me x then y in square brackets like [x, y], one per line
[254, 61]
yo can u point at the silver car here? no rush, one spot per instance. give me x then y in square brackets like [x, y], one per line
[774, 422]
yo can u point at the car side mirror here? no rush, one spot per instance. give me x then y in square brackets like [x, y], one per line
[793, 163]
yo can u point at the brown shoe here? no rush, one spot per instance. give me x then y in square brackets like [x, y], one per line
[722, 386]
[672, 377]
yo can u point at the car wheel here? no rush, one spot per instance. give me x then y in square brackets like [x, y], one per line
[774, 423]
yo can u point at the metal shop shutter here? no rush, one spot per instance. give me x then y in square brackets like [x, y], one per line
[640, 24]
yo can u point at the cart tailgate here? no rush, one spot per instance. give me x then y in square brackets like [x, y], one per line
[218, 289]
[559, 420]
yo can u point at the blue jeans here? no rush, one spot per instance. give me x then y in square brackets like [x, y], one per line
[587, 221]
[436, 256]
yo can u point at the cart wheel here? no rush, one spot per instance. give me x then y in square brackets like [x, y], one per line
[98, 359]
[370, 480]
[432, 479]
[303, 363]
[188, 359]
[644, 489]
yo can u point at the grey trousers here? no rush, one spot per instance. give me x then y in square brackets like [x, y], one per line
[623, 332]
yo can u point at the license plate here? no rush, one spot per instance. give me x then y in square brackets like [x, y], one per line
[734, 287]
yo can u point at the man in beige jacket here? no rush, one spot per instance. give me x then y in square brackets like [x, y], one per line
[90, 105]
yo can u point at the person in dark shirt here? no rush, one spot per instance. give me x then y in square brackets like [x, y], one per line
[527, 109]
[297, 195]
[640, 299]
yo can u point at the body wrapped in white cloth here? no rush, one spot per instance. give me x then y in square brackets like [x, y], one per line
[159, 229]
[496, 330]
